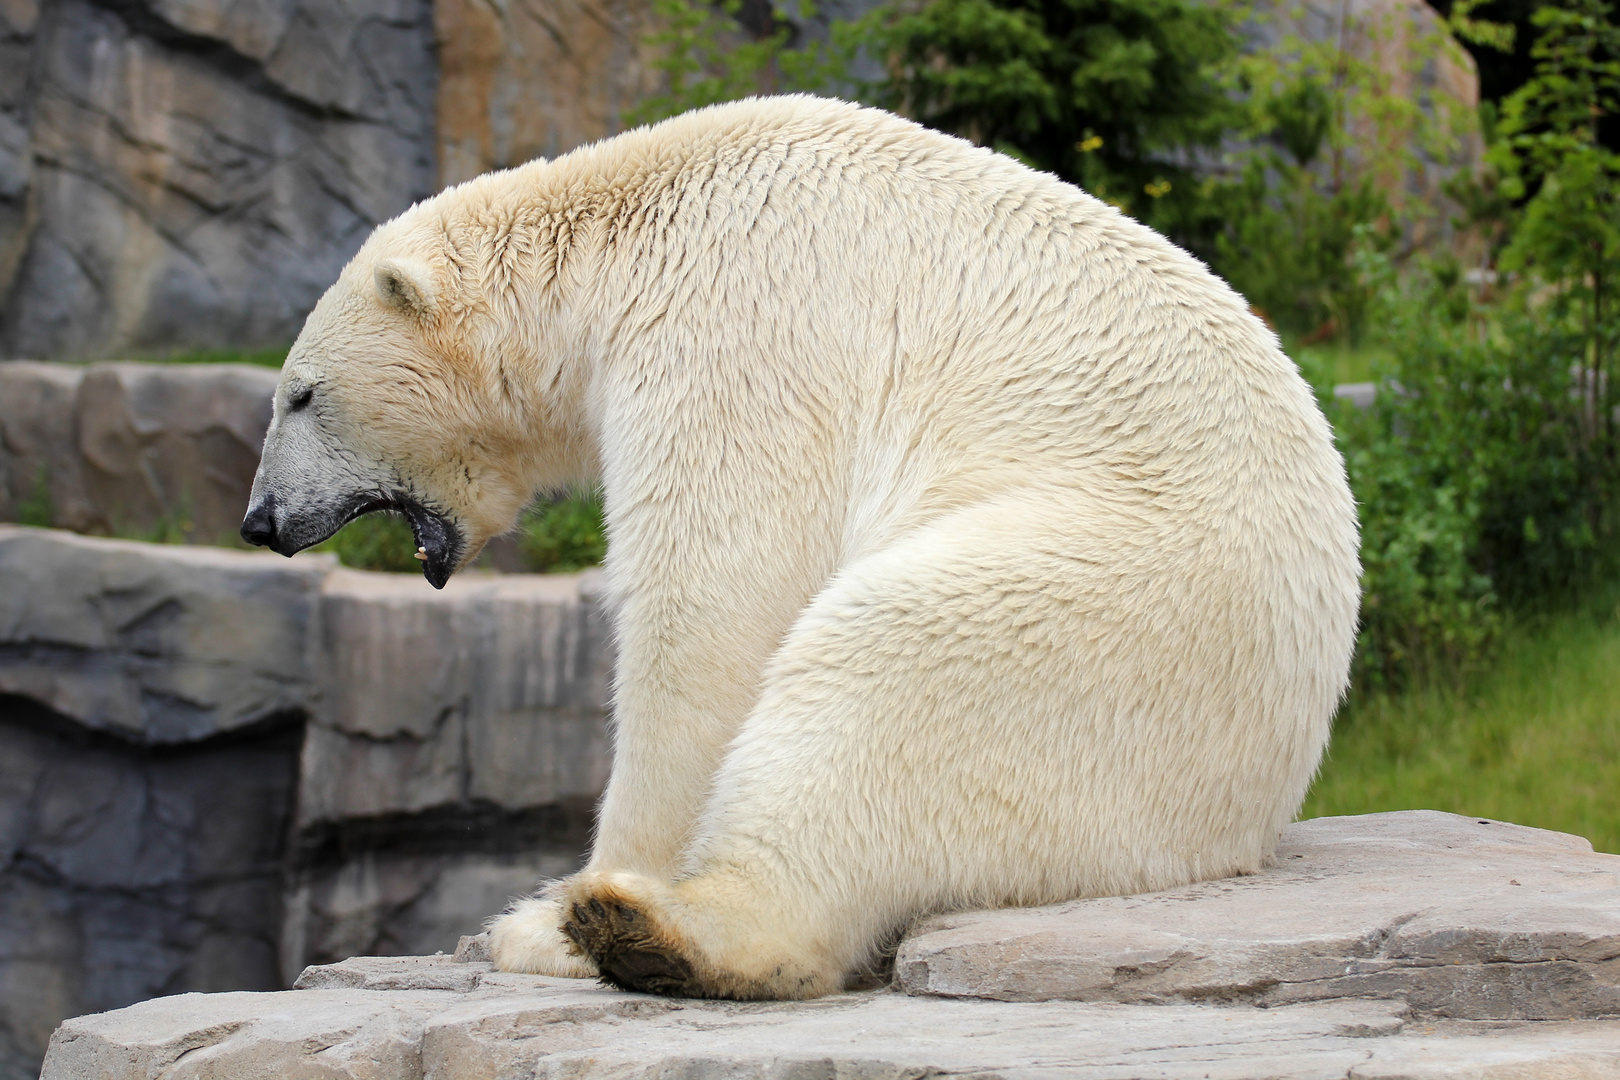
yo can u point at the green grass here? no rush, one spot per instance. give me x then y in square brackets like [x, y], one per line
[262, 357]
[1534, 740]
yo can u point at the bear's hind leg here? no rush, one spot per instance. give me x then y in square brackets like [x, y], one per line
[1012, 706]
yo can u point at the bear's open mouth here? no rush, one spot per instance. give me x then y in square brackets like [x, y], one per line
[438, 542]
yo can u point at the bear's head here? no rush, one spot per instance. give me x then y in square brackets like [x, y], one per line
[399, 395]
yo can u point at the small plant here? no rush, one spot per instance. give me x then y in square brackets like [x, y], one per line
[565, 535]
[379, 541]
[37, 509]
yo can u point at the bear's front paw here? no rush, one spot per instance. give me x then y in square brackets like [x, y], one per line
[528, 938]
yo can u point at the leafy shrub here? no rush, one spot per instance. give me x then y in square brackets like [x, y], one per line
[707, 56]
[565, 535]
[380, 541]
[1113, 95]
[1482, 484]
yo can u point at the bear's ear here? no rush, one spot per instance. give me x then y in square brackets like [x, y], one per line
[405, 284]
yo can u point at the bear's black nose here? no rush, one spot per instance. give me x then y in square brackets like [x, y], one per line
[259, 527]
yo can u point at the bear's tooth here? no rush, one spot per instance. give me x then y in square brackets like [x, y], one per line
[421, 553]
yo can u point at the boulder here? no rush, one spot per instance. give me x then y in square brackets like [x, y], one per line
[492, 691]
[454, 758]
[219, 766]
[161, 451]
[535, 78]
[159, 644]
[1459, 918]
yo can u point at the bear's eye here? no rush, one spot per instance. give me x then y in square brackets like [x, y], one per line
[299, 398]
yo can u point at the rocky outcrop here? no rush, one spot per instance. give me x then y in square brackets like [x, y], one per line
[217, 767]
[1343, 893]
[535, 78]
[129, 870]
[459, 746]
[150, 450]
[1464, 919]
[191, 173]
[157, 644]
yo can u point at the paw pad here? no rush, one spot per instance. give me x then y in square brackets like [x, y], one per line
[629, 951]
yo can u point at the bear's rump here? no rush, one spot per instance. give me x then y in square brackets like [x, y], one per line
[1024, 702]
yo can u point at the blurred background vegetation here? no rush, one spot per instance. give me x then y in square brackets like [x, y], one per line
[1487, 466]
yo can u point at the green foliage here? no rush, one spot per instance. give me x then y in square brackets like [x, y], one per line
[1112, 95]
[1569, 235]
[1289, 246]
[707, 56]
[565, 535]
[379, 541]
[1478, 480]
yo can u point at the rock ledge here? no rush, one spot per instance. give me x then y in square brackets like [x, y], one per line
[1408, 945]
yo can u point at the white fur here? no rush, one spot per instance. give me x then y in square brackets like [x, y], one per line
[971, 544]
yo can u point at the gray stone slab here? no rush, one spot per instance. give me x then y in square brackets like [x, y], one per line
[492, 691]
[171, 449]
[40, 468]
[1455, 916]
[425, 1017]
[129, 449]
[159, 643]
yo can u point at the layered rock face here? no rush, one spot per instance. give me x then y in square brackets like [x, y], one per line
[217, 767]
[534, 78]
[186, 173]
[1410, 946]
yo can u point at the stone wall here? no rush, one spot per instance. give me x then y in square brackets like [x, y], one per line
[187, 173]
[217, 767]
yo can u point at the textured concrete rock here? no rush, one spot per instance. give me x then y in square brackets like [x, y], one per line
[433, 1018]
[127, 872]
[534, 78]
[1457, 917]
[41, 472]
[194, 173]
[170, 717]
[158, 643]
[401, 902]
[132, 449]
[168, 447]
[492, 691]
[453, 761]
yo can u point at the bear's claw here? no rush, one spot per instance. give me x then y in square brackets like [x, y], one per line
[628, 950]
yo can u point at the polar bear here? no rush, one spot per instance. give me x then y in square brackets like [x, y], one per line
[971, 544]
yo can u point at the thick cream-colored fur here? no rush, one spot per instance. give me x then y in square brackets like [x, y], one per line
[971, 544]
